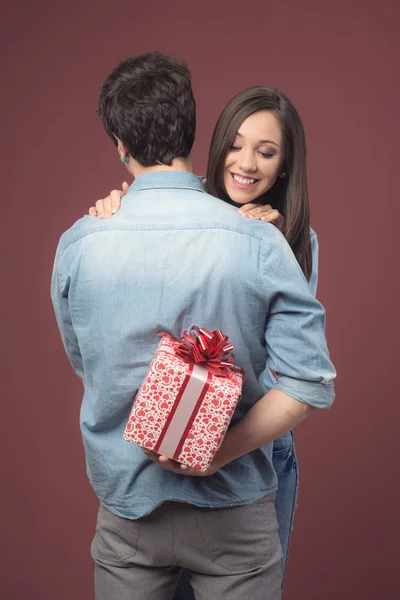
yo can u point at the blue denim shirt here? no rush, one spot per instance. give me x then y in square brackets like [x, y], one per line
[172, 257]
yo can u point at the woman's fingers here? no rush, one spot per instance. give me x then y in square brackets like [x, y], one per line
[255, 211]
[100, 207]
[108, 206]
[247, 208]
[105, 207]
[274, 217]
[263, 213]
[270, 216]
[115, 200]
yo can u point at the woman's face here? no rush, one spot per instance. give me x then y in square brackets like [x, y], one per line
[255, 158]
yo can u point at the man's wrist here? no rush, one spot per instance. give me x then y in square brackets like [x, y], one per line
[218, 461]
[224, 455]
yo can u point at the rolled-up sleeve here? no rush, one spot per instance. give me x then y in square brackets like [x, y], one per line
[295, 329]
[314, 393]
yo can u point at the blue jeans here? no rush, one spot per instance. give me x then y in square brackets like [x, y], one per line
[285, 464]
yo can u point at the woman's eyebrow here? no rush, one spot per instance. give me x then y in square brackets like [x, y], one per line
[261, 141]
[269, 142]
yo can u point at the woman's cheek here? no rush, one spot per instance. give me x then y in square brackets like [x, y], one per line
[271, 179]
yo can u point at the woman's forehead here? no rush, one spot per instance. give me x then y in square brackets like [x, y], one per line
[262, 126]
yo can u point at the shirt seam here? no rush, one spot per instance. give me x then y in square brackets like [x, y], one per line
[167, 187]
[158, 228]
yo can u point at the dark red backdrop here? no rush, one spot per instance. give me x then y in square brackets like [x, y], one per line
[336, 60]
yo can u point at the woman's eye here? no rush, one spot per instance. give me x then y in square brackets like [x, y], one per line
[233, 147]
[267, 154]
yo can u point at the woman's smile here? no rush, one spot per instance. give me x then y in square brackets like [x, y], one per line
[243, 182]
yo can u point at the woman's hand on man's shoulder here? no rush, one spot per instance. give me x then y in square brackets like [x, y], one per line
[106, 207]
[262, 212]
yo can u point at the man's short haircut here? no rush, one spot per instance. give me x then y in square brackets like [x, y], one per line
[147, 102]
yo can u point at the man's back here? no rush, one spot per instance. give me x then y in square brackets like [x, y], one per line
[174, 257]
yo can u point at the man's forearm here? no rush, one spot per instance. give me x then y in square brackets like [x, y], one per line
[273, 415]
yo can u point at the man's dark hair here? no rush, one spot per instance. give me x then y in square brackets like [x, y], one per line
[147, 102]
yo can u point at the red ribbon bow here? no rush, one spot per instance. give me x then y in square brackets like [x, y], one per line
[212, 350]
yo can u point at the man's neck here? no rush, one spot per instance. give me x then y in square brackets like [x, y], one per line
[178, 164]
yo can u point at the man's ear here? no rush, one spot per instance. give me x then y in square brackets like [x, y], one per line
[122, 149]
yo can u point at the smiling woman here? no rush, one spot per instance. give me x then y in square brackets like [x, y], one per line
[259, 136]
[255, 159]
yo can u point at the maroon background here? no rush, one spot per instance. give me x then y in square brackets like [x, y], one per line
[336, 61]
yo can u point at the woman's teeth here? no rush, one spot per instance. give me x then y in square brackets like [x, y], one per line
[243, 180]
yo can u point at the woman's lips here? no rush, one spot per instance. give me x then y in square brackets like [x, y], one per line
[243, 183]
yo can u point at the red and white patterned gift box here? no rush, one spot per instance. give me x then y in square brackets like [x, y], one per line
[186, 401]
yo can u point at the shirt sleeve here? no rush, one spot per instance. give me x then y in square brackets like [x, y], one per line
[59, 296]
[315, 255]
[295, 329]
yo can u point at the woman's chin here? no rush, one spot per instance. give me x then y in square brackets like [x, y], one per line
[240, 198]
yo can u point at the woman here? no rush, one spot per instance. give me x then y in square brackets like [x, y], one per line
[257, 161]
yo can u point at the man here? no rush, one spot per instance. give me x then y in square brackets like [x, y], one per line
[173, 257]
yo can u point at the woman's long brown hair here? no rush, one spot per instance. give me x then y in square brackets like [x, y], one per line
[289, 194]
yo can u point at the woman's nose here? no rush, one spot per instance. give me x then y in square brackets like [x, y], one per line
[247, 161]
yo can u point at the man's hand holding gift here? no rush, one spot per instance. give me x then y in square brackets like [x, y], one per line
[172, 465]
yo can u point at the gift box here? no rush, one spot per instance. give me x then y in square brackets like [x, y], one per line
[186, 401]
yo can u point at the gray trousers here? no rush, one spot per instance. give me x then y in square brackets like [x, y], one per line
[230, 553]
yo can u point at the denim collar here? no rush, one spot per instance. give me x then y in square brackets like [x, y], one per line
[167, 179]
